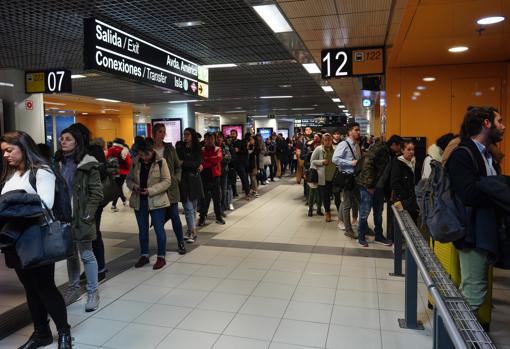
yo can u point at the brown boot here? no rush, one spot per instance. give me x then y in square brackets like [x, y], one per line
[328, 216]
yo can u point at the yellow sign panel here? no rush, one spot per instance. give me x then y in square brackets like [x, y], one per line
[34, 82]
[203, 90]
[368, 61]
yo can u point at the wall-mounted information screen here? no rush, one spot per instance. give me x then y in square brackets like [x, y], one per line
[173, 129]
[227, 128]
[48, 81]
[345, 62]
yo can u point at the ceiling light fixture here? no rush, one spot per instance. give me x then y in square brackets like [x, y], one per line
[490, 20]
[6, 84]
[186, 101]
[107, 100]
[421, 88]
[274, 97]
[458, 49]
[188, 24]
[285, 86]
[77, 76]
[234, 111]
[84, 113]
[429, 79]
[345, 111]
[273, 18]
[303, 109]
[312, 68]
[327, 88]
[336, 100]
[416, 93]
[225, 65]
[341, 106]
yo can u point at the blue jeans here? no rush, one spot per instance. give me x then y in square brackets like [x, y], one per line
[158, 221]
[190, 212]
[83, 249]
[367, 202]
[176, 222]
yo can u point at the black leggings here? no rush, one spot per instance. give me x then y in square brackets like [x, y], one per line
[327, 191]
[43, 297]
[120, 182]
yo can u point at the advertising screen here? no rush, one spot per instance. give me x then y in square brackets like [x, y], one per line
[265, 132]
[173, 129]
[227, 128]
[284, 132]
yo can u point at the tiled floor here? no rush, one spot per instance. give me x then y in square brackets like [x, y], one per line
[230, 298]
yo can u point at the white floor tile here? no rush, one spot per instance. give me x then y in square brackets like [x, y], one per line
[389, 322]
[206, 321]
[229, 342]
[358, 272]
[323, 268]
[96, 331]
[314, 294]
[214, 271]
[319, 280]
[282, 277]
[122, 310]
[243, 273]
[289, 265]
[163, 315]
[313, 312]
[251, 326]
[136, 336]
[343, 337]
[188, 339]
[386, 286]
[244, 287]
[357, 299]
[200, 283]
[357, 284]
[223, 302]
[182, 268]
[302, 333]
[275, 345]
[389, 301]
[272, 290]
[395, 340]
[13, 341]
[356, 317]
[147, 294]
[263, 306]
[166, 280]
[184, 298]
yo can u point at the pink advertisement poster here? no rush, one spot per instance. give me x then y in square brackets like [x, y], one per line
[173, 129]
[227, 128]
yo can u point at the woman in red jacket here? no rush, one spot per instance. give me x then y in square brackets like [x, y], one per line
[211, 163]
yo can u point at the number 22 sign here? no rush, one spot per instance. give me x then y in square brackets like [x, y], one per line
[346, 62]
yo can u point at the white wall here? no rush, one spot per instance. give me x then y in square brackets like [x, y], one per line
[177, 111]
[265, 122]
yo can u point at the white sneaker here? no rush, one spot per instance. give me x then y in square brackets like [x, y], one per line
[126, 203]
[114, 209]
[341, 225]
[231, 207]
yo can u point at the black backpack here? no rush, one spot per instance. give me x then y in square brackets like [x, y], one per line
[62, 209]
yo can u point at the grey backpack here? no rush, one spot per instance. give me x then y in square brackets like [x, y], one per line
[442, 213]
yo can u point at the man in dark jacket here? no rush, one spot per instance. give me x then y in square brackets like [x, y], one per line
[373, 178]
[239, 162]
[466, 167]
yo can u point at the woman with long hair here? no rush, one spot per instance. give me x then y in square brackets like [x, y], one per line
[149, 179]
[253, 163]
[81, 173]
[190, 187]
[20, 160]
[168, 152]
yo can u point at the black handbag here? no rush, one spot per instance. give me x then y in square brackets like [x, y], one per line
[344, 180]
[45, 243]
[313, 175]
[111, 190]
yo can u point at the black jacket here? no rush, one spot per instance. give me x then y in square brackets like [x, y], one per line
[239, 158]
[190, 186]
[402, 187]
[465, 174]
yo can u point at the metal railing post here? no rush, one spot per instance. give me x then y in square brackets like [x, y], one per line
[397, 247]
[441, 337]
[411, 293]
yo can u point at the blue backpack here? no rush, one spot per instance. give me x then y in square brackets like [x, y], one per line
[442, 213]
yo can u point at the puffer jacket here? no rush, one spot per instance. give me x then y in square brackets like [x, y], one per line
[373, 166]
[211, 159]
[157, 184]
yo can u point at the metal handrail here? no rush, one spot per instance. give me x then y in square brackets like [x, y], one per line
[455, 314]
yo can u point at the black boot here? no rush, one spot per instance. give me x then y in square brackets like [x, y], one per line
[310, 212]
[181, 248]
[40, 338]
[65, 341]
[319, 213]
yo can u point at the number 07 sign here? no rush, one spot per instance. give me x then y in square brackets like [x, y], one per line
[346, 62]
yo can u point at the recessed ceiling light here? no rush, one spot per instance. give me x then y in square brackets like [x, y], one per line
[416, 93]
[234, 111]
[421, 88]
[458, 49]
[77, 76]
[107, 100]
[273, 18]
[414, 98]
[341, 106]
[84, 113]
[274, 97]
[312, 68]
[6, 84]
[327, 88]
[490, 20]
[188, 24]
[429, 79]
[336, 100]
[345, 111]
[62, 111]
[285, 86]
[186, 101]
[225, 65]
[303, 108]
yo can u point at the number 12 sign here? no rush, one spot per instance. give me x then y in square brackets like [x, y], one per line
[346, 62]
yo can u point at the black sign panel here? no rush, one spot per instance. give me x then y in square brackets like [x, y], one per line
[112, 50]
[345, 62]
[48, 81]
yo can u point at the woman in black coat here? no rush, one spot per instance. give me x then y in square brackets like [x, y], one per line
[403, 179]
[190, 187]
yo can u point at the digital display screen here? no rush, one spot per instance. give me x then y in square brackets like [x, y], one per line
[173, 129]
[265, 132]
[227, 128]
[284, 132]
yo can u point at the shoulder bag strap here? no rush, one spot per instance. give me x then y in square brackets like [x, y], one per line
[352, 152]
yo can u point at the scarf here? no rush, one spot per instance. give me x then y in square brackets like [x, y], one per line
[411, 164]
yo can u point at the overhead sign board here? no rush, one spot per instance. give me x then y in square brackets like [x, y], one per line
[115, 51]
[48, 81]
[346, 62]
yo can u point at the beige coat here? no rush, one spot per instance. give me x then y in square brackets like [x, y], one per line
[157, 184]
